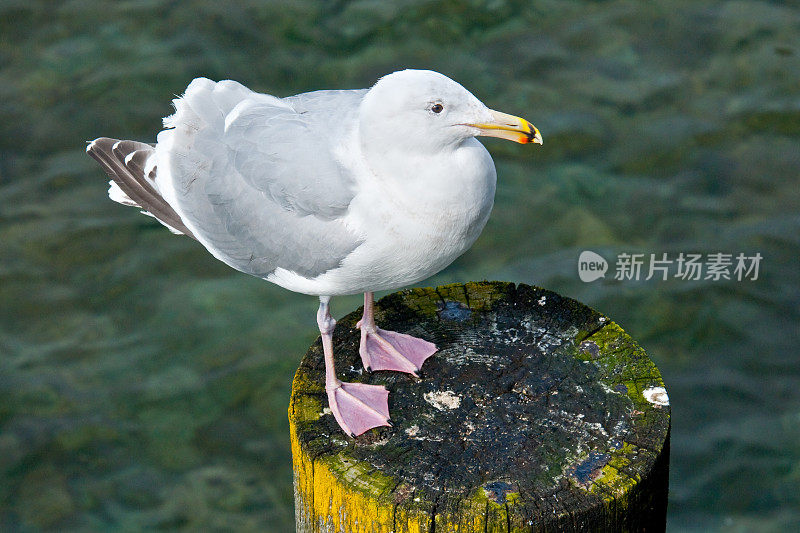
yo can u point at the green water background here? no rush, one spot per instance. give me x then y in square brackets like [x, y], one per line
[144, 385]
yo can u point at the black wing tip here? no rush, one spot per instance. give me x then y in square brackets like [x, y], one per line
[110, 154]
[101, 143]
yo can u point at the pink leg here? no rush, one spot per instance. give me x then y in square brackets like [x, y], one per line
[357, 407]
[388, 350]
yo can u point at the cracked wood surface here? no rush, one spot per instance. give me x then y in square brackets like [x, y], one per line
[536, 414]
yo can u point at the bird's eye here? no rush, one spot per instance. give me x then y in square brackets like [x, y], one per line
[437, 108]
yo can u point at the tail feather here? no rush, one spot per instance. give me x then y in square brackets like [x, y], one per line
[125, 162]
[119, 196]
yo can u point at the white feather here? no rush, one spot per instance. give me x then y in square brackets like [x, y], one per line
[117, 194]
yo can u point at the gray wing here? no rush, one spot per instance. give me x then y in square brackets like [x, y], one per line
[256, 180]
[125, 162]
[286, 151]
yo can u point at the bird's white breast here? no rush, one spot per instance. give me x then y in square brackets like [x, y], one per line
[414, 224]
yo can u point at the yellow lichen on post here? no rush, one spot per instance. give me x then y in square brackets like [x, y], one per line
[327, 502]
[334, 494]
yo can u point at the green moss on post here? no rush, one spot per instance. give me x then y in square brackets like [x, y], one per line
[536, 414]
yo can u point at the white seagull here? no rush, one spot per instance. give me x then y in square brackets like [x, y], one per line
[325, 193]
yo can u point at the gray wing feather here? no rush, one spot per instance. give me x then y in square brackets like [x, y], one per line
[117, 159]
[277, 151]
[257, 180]
[315, 121]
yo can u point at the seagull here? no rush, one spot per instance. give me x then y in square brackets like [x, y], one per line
[325, 193]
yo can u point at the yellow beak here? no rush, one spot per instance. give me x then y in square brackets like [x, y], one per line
[509, 127]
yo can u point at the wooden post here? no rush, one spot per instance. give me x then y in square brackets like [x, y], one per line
[536, 414]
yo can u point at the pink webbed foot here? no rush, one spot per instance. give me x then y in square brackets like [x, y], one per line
[389, 350]
[359, 407]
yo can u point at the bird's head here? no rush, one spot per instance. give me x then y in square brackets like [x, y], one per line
[424, 110]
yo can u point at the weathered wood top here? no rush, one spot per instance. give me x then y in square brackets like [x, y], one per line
[537, 413]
